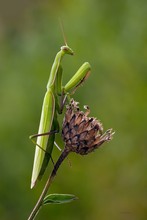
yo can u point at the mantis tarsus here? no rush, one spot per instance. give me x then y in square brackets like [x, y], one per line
[53, 104]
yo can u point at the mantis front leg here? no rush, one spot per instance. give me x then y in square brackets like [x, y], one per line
[77, 80]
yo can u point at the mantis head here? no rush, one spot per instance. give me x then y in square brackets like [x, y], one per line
[66, 49]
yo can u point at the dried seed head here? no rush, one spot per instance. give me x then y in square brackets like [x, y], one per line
[82, 134]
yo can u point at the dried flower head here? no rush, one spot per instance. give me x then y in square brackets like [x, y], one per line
[82, 134]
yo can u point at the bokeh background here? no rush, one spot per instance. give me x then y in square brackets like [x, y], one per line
[112, 35]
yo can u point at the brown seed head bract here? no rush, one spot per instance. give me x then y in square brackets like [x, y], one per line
[82, 134]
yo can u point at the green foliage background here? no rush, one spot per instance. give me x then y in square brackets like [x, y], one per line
[112, 35]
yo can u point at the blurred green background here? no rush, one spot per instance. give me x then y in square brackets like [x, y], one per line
[112, 35]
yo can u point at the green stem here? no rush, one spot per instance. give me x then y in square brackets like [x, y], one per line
[38, 205]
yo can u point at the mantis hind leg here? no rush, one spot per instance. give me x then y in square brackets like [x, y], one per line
[43, 134]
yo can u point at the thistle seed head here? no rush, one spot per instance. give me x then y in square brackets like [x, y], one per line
[82, 134]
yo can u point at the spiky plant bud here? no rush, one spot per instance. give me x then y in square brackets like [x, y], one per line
[82, 134]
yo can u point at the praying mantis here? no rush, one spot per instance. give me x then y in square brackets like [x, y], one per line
[53, 104]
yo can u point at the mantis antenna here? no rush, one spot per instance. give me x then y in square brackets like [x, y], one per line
[63, 32]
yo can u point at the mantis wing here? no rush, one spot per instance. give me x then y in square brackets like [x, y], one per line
[46, 123]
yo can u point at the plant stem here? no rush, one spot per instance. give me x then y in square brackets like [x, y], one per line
[38, 205]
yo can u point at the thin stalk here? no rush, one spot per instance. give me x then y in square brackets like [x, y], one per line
[38, 205]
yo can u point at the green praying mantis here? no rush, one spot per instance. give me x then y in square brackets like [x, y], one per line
[53, 104]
